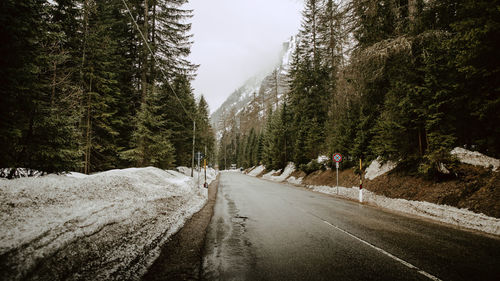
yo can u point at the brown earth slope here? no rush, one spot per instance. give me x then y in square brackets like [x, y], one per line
[474, 188]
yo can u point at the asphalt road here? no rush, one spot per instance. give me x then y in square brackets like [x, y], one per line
[269, 231]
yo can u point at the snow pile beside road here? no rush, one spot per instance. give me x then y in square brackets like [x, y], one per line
[76, 175]
[289, 169]
[475, 158]
[270, 174]
[211, 174]
[442, 213]
[294, 180]
[377, 169]
[106, 226]
[257, 171]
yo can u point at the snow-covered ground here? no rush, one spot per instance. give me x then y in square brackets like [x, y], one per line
[376, 168]
[211, 174]
[106, 226]
[294, 180]
[322, 159]
[475, 158]
[269, 174]
[442, 213]
[289, 169]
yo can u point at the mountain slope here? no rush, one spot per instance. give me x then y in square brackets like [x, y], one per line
[249, 104]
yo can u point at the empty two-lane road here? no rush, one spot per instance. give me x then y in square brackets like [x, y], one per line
[269, 231]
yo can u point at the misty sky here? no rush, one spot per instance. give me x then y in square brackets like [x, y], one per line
[236, 39]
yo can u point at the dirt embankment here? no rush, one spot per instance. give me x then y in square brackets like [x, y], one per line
[474, 188]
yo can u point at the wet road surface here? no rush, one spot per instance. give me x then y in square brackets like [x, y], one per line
[269, 231]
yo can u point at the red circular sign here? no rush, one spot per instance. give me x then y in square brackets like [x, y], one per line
[337, 157]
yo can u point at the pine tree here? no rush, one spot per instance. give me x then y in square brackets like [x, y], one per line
[205, 135]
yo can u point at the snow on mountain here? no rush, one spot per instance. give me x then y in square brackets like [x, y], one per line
[248, 105]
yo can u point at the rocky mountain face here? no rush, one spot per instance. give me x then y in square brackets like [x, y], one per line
[248, 106]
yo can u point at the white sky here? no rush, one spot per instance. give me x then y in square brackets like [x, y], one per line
[236, 39]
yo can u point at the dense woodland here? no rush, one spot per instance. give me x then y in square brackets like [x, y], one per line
[401, 80]
[81, 91]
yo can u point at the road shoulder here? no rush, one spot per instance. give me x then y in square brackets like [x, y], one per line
[181, 256]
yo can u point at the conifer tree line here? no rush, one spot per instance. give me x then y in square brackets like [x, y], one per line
[402, 80]
[81, 90]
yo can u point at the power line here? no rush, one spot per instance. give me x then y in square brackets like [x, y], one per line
[170, 86]
[156, 60]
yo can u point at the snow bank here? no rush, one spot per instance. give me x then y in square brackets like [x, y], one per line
[294, 180]
[377, 169]
[289, 169]
[322, 159]
[257, 171]
[106, 226]
[76, 175]
[211, 174]
[270, 174]
[475, 158]
[442, 213]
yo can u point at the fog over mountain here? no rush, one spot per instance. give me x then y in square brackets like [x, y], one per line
[248, 105]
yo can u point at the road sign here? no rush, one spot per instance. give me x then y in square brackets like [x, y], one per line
[199, 155]
[337, 157]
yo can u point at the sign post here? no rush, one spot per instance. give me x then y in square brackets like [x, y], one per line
[199, 156]
[337, 157]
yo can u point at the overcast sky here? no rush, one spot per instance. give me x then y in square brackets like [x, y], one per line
[236, 39]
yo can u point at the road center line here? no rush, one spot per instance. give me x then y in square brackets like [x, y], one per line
[426, 274]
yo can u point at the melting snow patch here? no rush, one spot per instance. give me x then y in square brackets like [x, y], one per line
[270, 174]
[322, 159]
[289, 169]
[112, 223]
[257, 171]
[377, 169]
[442, 213]
[475, 158]
[211, 174]
[294, 180]
[76, 175]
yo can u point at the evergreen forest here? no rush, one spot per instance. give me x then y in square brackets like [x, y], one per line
[402, 80]
[91, 85]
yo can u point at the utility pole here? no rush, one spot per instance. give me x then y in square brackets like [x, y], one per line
[194, 133]
[205, 164]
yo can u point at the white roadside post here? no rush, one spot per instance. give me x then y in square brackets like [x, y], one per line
[337, 157]
[360, 181]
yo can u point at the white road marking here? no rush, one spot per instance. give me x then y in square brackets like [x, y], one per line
[426, 274]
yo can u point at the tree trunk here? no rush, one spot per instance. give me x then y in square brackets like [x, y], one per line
[82, 77]
[52, 97]
[145, 53]
[88, 135]
[420, 142]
